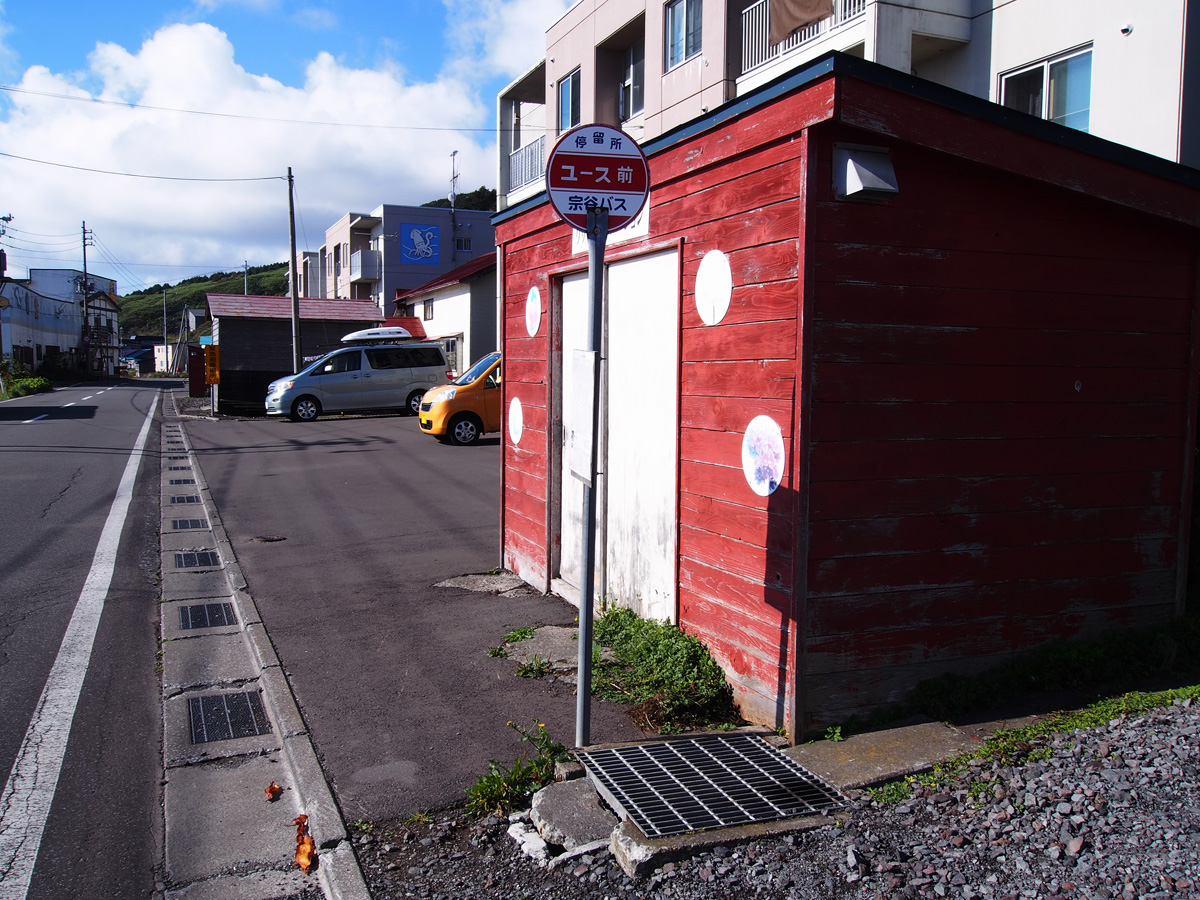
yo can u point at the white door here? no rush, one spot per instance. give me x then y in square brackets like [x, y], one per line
[641, 438]
[643, 423]
[574, 330]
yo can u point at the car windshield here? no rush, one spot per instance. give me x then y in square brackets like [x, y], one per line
[472, 374]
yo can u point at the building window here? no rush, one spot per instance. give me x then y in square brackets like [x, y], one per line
[1058, 89]
[463, 245]
[568, 102]
[683, 31]
[633, 81]
[428, 310]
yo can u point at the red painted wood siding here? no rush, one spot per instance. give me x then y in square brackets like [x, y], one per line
[998, 417]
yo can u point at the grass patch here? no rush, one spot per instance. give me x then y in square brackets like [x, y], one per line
[504, 789]
[668, 675]
[1014, 746]
[23, 387]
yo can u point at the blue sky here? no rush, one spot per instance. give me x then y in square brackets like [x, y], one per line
[366, 103]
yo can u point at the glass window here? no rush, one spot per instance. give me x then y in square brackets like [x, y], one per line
[462, 244]
[387, 358]
[683, 31]
[350, 361]
[428, 310]
[1058, 89]
[633, 83]
[568, 102]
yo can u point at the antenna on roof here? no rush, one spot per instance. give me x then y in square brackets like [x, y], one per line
[453, 195]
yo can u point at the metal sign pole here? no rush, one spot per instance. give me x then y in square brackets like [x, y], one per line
[597, 231]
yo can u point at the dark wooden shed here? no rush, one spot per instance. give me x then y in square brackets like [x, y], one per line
[969, 336]
[255, 337]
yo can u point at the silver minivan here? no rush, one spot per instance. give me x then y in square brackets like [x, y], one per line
[385, 376]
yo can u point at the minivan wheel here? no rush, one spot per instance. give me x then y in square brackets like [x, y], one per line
[305, 409]
[464, 430]
[414, 403]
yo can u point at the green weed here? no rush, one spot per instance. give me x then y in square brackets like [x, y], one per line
[499, 652]
[504, 789]
[666, 673]
[417, 820]
[519, 634]
[834, 733]
[536, 667]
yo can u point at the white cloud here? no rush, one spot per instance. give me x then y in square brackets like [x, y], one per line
[214, 224]
[503, 37]
[316, 19]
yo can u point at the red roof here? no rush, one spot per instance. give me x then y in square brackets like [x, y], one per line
[412, 323]
[464, 272]
[252, 307]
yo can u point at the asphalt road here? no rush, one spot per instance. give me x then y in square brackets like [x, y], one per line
[391, 673]
[62, 456]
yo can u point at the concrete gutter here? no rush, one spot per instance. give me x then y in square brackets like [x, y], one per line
[224, 839]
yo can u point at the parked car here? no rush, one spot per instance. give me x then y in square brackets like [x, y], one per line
[385, 376]
[467, 407]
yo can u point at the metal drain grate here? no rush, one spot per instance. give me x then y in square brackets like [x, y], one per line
[197, 559]
[180, 469]
[181, 481]
[696, 784]
[206, 615]
[176, 457]
[188, 524]
[185, 498]
[222, 717]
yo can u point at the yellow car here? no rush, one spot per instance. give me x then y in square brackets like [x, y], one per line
[467, 407]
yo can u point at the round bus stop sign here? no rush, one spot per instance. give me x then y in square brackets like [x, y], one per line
[593, 166]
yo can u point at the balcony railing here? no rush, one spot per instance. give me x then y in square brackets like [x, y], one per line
[366, 265]
[756, 25]
[527, 164]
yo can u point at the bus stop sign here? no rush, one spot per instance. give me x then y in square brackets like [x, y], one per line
[594, 166]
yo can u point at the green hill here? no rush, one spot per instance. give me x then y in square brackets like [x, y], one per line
[142, 311]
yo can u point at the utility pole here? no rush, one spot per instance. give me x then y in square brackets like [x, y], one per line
[246, 278]
[166, 346]
[89, 336]
[297, 355]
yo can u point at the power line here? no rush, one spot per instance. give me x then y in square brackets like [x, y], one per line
[219, 115]
[136, 174]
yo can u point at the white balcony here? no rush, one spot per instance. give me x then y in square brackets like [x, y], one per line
[756, 25]
[366, 265]
[527, 164]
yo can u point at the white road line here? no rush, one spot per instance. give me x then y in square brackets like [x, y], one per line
[25, 803]
[35, 418]
[65, 405]
[88, 397]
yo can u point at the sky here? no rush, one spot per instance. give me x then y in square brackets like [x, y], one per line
[168, 127]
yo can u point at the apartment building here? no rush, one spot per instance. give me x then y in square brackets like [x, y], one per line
[1122, 70]
[371, 256]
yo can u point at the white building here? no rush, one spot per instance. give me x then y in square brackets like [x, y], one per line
[1123, 70]
[370, 257]
[458, 309]
[50, 314]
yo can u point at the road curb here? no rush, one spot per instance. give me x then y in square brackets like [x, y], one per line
[337, 868]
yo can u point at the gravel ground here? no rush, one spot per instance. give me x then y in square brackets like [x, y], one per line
[1110, 812]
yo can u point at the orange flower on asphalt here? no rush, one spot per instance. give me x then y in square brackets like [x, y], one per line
[273, 792]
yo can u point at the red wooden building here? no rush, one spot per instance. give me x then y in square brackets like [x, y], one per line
[972, 335]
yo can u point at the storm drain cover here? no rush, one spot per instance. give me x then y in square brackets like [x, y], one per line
[222, 717]
[696, 784]
[179, 469]
[176, 457]
[188, 524]
[206, 615]
[182, 481]
[197, 560]
[185, 498]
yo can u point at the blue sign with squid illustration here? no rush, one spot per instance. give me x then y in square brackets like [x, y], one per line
[419, 244]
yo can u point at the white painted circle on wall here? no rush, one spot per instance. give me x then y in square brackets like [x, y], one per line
[762, 455]
[714, 287]
[516, 420]
[533, 311]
